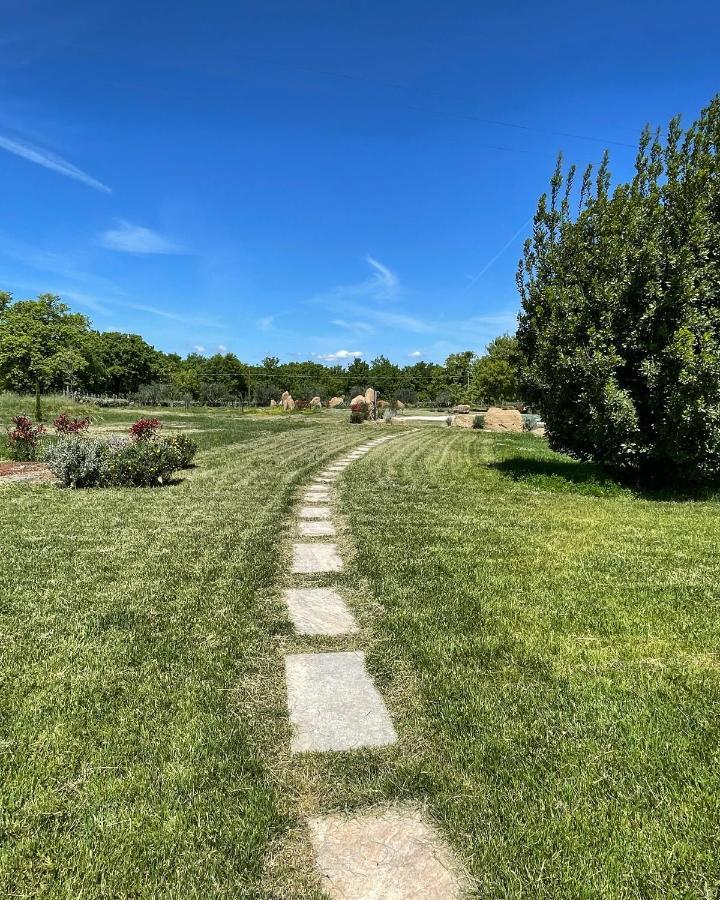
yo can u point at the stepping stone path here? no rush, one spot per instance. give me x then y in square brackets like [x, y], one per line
[334, 706]
[383, 854]
[319, 611]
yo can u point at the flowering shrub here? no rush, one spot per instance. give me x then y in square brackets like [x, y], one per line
[184, 449]
[66, 425]
[359, 412]
[118, 461]
[145, 429]
[24, 438]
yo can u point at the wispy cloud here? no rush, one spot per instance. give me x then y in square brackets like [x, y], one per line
[354, 326]
[222, 348]
[384, 281]
[340, 355]
[198, 348]
[129, 238]
[415, 354]
[266, 322]
[50, 160]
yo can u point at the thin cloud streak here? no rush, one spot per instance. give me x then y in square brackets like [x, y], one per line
[52, 161]
[129, 238]
[499, 254]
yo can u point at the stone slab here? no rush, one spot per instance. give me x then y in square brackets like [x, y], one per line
[317, 496]
[334, 704]
[319, 611]
[314, 512]
[315, 528]
[314, 559]
[391, 854]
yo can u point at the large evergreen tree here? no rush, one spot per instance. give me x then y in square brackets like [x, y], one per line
[620, 322]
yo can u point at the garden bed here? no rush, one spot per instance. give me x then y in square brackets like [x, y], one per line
[33, 472]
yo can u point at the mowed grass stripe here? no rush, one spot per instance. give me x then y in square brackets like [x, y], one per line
[136, 728]
[548, 642]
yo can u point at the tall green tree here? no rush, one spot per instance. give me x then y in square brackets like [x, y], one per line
[495, 376]
[42, 345]
[123, 362]
[620, 322]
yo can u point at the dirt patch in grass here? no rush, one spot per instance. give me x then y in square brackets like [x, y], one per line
[13, 472]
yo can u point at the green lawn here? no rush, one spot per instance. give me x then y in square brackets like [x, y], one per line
[546, 642]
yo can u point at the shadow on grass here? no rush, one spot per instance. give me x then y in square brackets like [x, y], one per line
[561, 476]
[564, 475]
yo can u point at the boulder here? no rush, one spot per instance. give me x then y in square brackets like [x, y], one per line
[461, 409]
[382, 404]
[316, 403]
[336, 401]
[370, 396]
[287, 401]
[399, 404]
[273, 403]
[464, 420]
[497, 419]
[359, 399]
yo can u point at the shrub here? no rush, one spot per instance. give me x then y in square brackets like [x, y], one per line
[64, 424]
[23, 438]
[142, 464]
[478, 421]
[620, 325]
[78, 462]
[117, 461]
[184, 449]
[359, 412]
[145, 429]
[529, 420]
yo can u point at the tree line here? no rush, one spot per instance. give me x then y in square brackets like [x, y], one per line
[46, 347]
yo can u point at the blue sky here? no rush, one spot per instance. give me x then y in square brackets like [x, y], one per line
[314, 179]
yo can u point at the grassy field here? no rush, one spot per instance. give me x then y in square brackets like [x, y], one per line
[545, 639]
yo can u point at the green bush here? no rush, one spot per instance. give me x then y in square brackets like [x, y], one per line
[184, 449]
[620, 323]
[78, 461]
[478, 421]
[81, 462]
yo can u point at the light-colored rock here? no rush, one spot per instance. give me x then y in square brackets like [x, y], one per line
[399, 404]
[461, 408]
[335, 401]
[319, 611]
[316, 403]
[382, 405]
[370, 396]
[314, 512]
[390, 854]
[359, 399]
[273, 402]
[315, 528]
[538, 430]
[497, 419]
[463, 421]
[315, 559]
[334, 704]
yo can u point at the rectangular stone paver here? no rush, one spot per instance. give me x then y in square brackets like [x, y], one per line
[334, 704]
[314, 512]
[315, 528]
[314, 559]
[393, 854]
[315, 496]
[319, 611]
